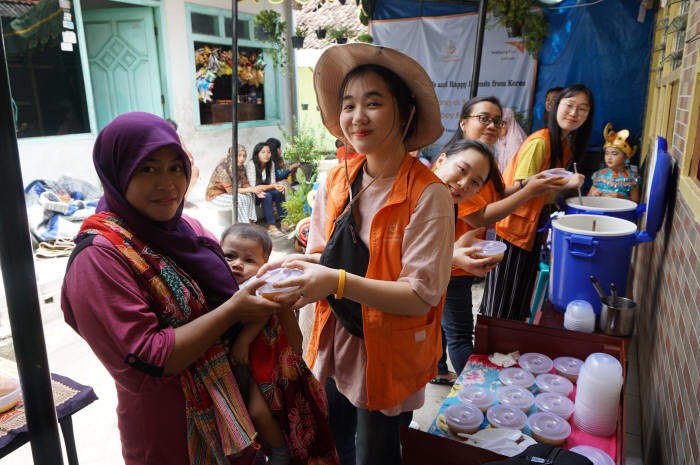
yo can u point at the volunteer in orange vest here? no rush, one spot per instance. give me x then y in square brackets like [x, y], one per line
[378, 264]
[508, 289]
[480, 119]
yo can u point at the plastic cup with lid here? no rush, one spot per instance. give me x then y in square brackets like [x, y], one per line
[568, 367]
[516, 376]
[559, 172]
[463, 418]
[274, 276]
[11, 394]
[549, 382]
[490, 249]
[535, 363]
[478, 396]
[549, 428]
[595, 455]
[603, 366]
[505, 416]
[555, 403]
[515, 396]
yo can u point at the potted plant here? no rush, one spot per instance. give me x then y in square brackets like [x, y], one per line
[366, 38]
[267, 23]
[340, 35]
[321, 32]
[296, 199]
[298, 37]
[300, 149]
[519, 20]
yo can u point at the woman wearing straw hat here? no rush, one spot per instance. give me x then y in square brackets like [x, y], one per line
[379, 251]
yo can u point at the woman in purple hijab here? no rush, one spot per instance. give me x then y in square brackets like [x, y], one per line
[150, 291]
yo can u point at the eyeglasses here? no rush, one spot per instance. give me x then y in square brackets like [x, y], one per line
[569, 108]
[485, 120]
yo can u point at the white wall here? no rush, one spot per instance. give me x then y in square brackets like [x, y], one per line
[49, 158]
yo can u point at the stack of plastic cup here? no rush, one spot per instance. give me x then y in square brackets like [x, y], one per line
[579, 316]
[598, 395]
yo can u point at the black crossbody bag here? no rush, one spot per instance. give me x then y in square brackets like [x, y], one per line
[346, 250]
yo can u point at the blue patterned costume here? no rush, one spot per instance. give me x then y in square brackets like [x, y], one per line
[608, 180]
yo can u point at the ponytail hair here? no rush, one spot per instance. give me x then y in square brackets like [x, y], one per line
[580, 136]
[485, 150]
[465, 113]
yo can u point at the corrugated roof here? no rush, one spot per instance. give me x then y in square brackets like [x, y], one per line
[14, 9]
[322, 13]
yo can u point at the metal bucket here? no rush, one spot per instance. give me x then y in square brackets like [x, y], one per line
[617, 319]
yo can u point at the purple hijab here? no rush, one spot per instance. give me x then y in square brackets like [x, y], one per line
[120, 147]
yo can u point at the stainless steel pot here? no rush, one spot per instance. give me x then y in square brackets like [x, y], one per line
[617, 318]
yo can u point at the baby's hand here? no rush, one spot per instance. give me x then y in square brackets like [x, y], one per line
[239, 353]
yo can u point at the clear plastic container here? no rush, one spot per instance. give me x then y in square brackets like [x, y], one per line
[505, 416]
[515, 396]
[10, 394]
[568, 367]
[559, 172]
[603, 367]
[490, 249]
[579, 309]
[549, 428]
[517, 377]
[274, 276]
[557, 404]
[463, 418]
[595, 455]
[549, 382]
[478, 396]
[535, 363]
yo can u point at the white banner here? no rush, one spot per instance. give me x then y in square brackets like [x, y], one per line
[444, 46]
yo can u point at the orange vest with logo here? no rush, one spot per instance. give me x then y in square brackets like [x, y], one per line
[402, 351]
[519, 228]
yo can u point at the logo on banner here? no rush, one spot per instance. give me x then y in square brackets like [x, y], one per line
[519, 45]
[451, 50]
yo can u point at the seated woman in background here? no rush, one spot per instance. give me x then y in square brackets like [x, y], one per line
[220, 188]
[512, 136]
[276, 149]
[262, 173]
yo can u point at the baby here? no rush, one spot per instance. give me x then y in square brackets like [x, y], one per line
[247, 247]
[617, 180]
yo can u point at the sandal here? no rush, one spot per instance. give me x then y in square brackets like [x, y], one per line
[448, 379]
[275, 232]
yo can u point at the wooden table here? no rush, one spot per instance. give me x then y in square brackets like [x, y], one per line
[69, 398]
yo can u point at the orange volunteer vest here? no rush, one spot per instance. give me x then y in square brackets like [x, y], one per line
[402, 351]
[519, 227]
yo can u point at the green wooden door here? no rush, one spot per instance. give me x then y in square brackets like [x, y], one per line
[123, 61]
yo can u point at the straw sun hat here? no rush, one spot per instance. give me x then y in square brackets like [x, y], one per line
[337, 61]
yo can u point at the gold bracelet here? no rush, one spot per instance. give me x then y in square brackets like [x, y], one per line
[341, 285]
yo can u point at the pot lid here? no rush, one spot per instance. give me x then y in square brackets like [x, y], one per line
[656, 189]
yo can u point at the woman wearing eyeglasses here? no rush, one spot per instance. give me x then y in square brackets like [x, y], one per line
[480, 119]
[509, 289]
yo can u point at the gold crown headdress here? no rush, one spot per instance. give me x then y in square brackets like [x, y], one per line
[618, 140]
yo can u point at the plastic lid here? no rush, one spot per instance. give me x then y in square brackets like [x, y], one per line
[516, 376]
[535, 363]
[595, 455]
[555, 403]
[275, 276]
[491, 248]
[601, 204]
[605, 226]
[603, 367]
[515, 396]
[554, 172]
[505, 416]
[568, 365]
[549, 426]
[463, 417]
[580, 310]
[478, 396]
[656, 190]
[549, 382]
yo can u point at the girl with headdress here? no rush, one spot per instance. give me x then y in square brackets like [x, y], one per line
[616, 180]
[150, 291]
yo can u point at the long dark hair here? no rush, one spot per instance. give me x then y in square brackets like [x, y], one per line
[275, 147]
[580, 136]
[465, 113]
[399, 91]
[258, 169]
[465, 144]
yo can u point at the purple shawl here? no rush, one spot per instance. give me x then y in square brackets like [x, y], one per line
[120, 147]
